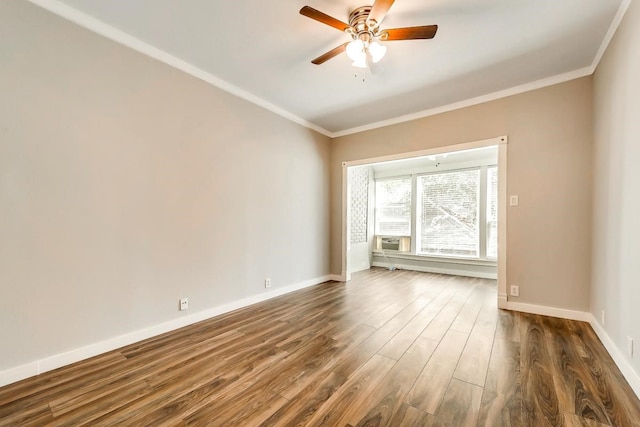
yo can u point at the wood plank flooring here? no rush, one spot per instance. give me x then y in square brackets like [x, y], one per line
[387, 349]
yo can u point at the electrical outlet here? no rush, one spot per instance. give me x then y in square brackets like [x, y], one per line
[630, 346]
[514, 201]
[267, 282]
[515, 291]
[184, 304]
[602, 317]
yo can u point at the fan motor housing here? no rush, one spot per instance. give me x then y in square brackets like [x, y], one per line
[358, 19]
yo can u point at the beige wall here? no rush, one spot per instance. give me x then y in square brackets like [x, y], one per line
[549, 167]
[126, 184]
[616, 205]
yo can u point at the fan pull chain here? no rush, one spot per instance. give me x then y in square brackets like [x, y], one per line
[364, 76]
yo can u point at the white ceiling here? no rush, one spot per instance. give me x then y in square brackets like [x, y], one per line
[262, 50]
[484, 155]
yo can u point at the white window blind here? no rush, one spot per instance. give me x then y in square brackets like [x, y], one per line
[448, 208]
[393, 207]
[492, 212]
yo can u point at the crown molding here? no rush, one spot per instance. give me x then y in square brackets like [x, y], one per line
[65, 11]
[622, 10]
[82, 19]
[527, 87]
[553, 80]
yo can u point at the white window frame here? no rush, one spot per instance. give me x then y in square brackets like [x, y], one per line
[482, 207]
[485, 182]
[411, 211]
[418, 231]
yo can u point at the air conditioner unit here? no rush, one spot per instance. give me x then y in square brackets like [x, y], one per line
[393, 243]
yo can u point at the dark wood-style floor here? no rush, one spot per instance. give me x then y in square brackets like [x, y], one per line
[388, 348]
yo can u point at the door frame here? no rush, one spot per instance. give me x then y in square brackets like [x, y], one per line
[501, 142]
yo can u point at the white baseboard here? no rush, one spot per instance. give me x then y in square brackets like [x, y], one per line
[439, 270]
[56, 361]
[632, 377]
[502, 301]
[562, 313]
[16, 374]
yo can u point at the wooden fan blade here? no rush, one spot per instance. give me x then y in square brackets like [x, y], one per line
[410, 33]
[312, 13]
[327, 56]
[379, 11]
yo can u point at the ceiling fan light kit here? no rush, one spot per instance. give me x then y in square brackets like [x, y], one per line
[364, 36]
[377, 51]
[363, 27]
[355, 49]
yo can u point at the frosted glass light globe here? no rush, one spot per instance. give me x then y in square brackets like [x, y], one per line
[355, 49]
[377, 51]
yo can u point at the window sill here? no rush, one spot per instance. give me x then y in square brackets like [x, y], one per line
[407, 255]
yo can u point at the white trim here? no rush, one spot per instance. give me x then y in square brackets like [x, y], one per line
[441, 259]
[345, 210]
[543, 310]
[424, 269]
[56, 361]
[84, 20]
[502, 225]
[430, 151]
[527, 87]
[74, 15]
[502, 300]
[622, 10]
[18, 373]
[632, 377]
[501, 141]
[433, 169]
[337, 278]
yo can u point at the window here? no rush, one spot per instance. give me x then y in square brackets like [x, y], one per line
[448, 213]
[425, 208]
[393, 207]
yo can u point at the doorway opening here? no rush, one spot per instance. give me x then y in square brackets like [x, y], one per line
[441, 210]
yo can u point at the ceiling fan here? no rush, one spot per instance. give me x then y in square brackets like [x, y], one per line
[366, 35]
